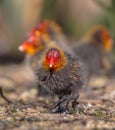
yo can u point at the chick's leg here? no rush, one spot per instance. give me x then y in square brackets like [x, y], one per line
[62, 103]
[57, 107]
[73, 100]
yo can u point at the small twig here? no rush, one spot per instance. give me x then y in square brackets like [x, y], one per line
[3, 96]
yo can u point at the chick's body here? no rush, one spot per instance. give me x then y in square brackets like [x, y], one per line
[65, 81]
[91, 56]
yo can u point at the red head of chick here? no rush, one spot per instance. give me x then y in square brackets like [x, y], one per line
[31, 45]
[100, 36]
[54, 60]
[61, 74]
[51, 29]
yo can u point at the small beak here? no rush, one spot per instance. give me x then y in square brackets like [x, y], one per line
[21, 48]
[51, 65]
[51, 69]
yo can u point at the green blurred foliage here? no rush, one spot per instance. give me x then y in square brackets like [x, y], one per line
[12, 16]
[1, 1]
[109, 19]
[53, 10]
[48, 9]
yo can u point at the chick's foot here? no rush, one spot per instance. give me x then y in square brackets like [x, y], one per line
[62, 104]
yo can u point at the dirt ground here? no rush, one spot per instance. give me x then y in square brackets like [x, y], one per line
[30, 111]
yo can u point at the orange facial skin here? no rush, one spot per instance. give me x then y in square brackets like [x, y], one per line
[107, 40]
[54, 60]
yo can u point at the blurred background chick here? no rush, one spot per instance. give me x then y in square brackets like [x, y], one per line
[94, 49]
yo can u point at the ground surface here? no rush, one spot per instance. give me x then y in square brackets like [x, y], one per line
[31, 112]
